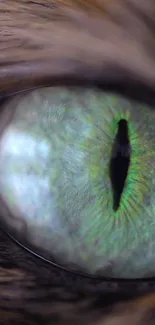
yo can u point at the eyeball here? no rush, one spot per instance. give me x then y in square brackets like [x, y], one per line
[77, 180]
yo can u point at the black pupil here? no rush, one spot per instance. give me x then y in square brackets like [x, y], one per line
[119, 163]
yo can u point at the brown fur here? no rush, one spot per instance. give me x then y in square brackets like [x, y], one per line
[109, 43]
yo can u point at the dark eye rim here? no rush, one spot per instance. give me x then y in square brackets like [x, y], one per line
[138, 92]
[115, 80]
[131, 287]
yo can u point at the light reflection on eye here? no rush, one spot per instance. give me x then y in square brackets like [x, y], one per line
[62, 157]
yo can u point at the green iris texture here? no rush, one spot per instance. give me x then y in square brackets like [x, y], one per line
[55, 152]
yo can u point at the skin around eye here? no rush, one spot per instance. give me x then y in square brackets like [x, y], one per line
[56, 188]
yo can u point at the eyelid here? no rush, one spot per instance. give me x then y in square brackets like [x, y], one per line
[20, 77]
[26, 76]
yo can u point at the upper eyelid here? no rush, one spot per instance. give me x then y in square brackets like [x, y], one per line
[22, 77]
[15, 79]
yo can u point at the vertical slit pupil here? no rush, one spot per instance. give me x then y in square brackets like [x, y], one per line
[120, 161]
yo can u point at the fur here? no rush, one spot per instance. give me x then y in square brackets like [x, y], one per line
[109, 44]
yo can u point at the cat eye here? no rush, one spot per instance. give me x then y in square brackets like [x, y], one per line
[77, 180]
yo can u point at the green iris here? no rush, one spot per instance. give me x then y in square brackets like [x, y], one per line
[138, 185]
[56, 155]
